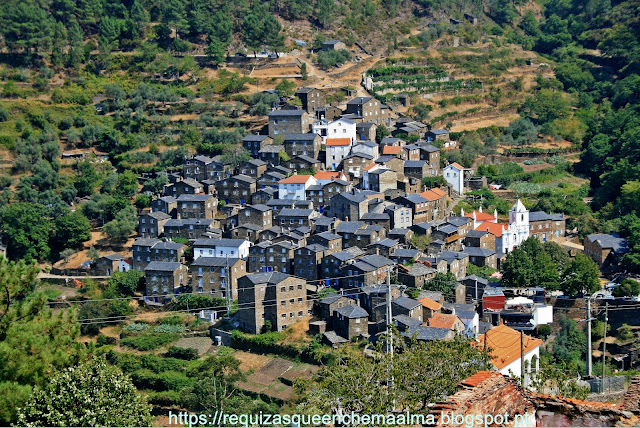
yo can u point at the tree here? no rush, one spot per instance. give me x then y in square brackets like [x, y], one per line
[445, 283]
[122, 226]
[518, 269]
[174, 15]
[628, 288]
[272, 34]
[303, 71]
[26, 230]
[422, 373]
[216, 51]
[581, 275]
[26, 27]
[324, 11]
[382, 132]
[93, 254]
[253, 33]
[546, 106]
[66, 254]
[71, 230]
[124, 284]
[285, 88]
[94, 393]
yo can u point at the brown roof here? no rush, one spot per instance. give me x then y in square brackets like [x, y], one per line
[493, 228]
[391, 150]
[337, 142]
[447, 321]
[429, 303]
[296, 179]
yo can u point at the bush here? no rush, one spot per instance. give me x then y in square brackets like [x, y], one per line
[149, 342]
[166, 398]
[328, 59]
[168, 328]
[182, 353]
[136, 327]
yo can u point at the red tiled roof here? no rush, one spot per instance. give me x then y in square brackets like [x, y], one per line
[337, 142]
[443, 321]
[391, 150]
[370, 166]
[296, 179]
[480, 216]
[430, 303]
[430, 195]
[327, 175]
[457, 165]
[493, 228]
[504, 345]
[479, 377]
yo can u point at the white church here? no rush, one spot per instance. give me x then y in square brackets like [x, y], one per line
[509, 236]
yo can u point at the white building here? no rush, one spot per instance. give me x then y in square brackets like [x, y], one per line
[454, 174]
[294, 187]
[339, 128]
[511, 236]
[503, 344]
[337, 149]
[207, 247]
[365, 175]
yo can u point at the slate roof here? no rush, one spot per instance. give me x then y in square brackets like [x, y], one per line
[214, 261]
[299, 136]
[352, 311]
[218, 242]
[357, 197]
[476, 233]
[414, 164]
[406, 302]
[478, 252]
[612, 241]
[358, 100]
[162, 266]
[332, 298]
[113, 257]
[187, 222]
[475, 278]
[255, 137]
[328, 236]
[194, 198]
[348, 254]
[291, 212]
[168, 245]
[407, 320]
[269, 278]
[419, 269]
[384, 159]
[439, 132]
[448, 229]
[349, 226]
[374, 216]
[333, 338]
[399, 231]
[292, 113]
[386, 243]
[260, 207]
[428, 148]
[427, 333]
[272, 148]
[306, 158]
[316, 248]
[159, 215]
[406, 252]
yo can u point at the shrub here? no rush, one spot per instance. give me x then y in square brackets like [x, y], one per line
[182, 353]
[136, 327]
[168, 328]
[149, 342]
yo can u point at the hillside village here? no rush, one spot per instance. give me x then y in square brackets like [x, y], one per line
[394, 208]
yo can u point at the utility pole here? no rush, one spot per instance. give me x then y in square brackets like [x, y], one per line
[228, 288]
[389, 314]
[589, 356]
[522, 358]
[604, 342]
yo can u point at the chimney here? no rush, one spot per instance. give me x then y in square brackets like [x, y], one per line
[480, 208]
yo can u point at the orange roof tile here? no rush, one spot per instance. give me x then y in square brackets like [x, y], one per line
[438, 191]
[480, 216]
[479, 377]
[504, 345]
[296, 179]
[430, 195]
[391, 150]
[337, 142]
[493, 228]
[457, 165]
[430, 303]
[443, 321]
[370, 166]
[327, 175]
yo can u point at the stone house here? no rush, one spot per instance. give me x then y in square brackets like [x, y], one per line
[307, 261]
[418, 204]
[270, 179]
[276, 297]
[417, 169]
[410, 152]
[107, 265]
[253, 168]
[366, 131]
[201, 168]
[482, 257]
[188, 228]
[164, 279]
[165, 204]
[313, 99]
[303, 163]
[335, 187]
[406, 306]
[355, 163]
[348, 205]
[416, 276]
[545, 226]
[146, 250]
[382, 180]
[288, 122]
[430, 154]
[328, 306]
[151, 225]
[362, 238]
[307, 144]
[200, 206]
[215, 276]
[188, 186]
[385, 247]
[480, 239]
[268, 256]
[369, 109]
[364, 271]
[237, 189]
[263, 195]
[448, 321]
[260, 215]
[604, 248]
[333, 45]
[437, 135]
[331, 241]
[254, 143]
[271, 153]
[351, 322]
[330, 265]
[292, 218]
[437, 204]
[377, 219]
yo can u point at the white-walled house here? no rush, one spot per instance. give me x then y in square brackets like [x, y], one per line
[454, 174]
[207, 247]
[504, 345]
[337, 150]
[339, 128]
[511, 236]
[365, 175]
[294, 187]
